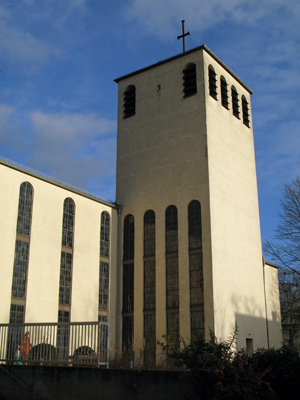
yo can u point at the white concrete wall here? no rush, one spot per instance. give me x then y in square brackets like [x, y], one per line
[273, 305]
[235, 226]
[45, 251]
[172, 151]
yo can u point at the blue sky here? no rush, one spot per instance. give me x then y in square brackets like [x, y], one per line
[58, 101]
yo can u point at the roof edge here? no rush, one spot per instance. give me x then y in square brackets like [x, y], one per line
[39, 175]
[202, 47]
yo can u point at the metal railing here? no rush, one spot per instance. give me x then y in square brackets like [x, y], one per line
[62, 343]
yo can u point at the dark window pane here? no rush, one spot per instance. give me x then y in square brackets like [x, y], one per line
[149, 285]
[197, 324]
[103, 286]
[105, 233]
[172, 282]
[224, 93]
[235, 103]
[129, 102]
[128, 288]
[150, 339]
[171, 230]
[245, 108]
[20, 269]
[63, 336]
[65, 283]
[149, 233]
[25, 209]
[127, 333]
[68, 223]
[212, 82]
[128, 238]
[189, 80]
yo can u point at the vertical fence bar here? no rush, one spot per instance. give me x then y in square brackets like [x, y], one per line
[85, 343]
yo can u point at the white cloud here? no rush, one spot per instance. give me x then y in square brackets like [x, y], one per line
[161, 17]
[21, 45]
[73, 147]
[76, 148]
[5, 112]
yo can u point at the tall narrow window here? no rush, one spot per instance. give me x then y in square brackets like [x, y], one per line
[129, 102]
[21, 259]
[65, 282]
[196, 269]
[245, 109]
[189, 80]
[128, 238]
[105, 231]
[149, 288]
[172, 273]
[103, 286]
[20, 268]
[224, 93]
[25, 209]
[104, 264]
[63, 336]
[128, 282]
[68, 223]
[66, 266]
[212, 82]
[235, 102]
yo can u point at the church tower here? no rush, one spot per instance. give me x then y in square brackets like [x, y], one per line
[186, 180]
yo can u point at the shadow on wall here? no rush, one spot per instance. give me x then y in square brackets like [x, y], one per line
[251, 321]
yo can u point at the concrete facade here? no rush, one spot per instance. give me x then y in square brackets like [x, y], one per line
[41, 301]
[173, 151]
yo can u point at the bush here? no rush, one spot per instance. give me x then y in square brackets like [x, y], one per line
[214, 371]
[284, 370]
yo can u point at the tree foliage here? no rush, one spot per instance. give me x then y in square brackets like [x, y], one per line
[214, 371]
[285, 251]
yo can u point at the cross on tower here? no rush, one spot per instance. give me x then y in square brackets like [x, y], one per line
[183, 35]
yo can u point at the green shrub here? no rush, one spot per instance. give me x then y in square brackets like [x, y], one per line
[284, 370]
[214, 371]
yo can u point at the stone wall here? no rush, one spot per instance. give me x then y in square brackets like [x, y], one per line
[57, 383]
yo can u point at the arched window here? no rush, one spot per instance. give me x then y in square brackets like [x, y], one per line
[68, 223]
[189, 80]
[196, 269]
[129, 102]
[245, 108]
[224, 93]
[149, 233]
[171, 230]
[20, 269]
[172, 273]
[128, 281]
[235, 102]
[25, 209]
[105, 231]
[212, 82]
